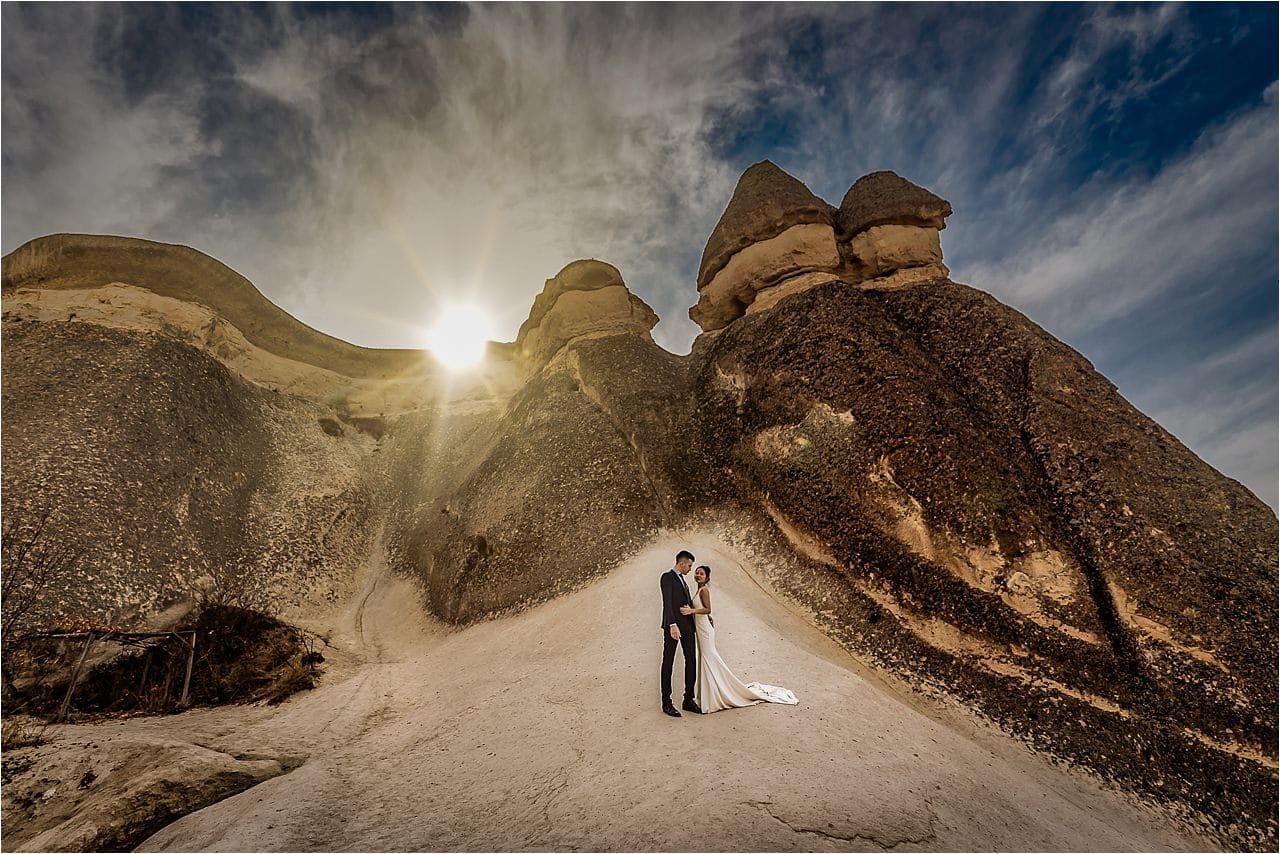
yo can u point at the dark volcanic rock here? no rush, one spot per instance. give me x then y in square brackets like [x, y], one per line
[766, 202]
[885, 198]
[1007, 526]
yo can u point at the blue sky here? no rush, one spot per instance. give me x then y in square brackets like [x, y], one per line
[1113, 169]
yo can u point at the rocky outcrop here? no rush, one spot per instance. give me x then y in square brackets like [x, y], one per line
[180, 294]
[888, 231]
[587, 297]
[183, 432]
[886, 198]
[113, 793]
[773, 231]
[776, 239]
[765, 203]
[996, 510]
[188, 278]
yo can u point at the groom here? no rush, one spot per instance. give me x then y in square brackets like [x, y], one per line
[678, 628]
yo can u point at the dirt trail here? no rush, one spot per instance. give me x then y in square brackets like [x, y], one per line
[543, 731]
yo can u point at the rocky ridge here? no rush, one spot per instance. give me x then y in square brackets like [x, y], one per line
[951, 492]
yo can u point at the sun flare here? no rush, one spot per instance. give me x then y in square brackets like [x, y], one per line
[458, 336]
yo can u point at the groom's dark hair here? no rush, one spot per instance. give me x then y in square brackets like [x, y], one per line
[683, 555]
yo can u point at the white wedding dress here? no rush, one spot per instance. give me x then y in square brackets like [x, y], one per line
[718, 688]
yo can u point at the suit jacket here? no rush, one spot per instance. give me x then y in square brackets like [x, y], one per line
[675, 594]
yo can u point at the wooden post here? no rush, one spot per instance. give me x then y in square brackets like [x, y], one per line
[75, 677]
[146, 669]
[191, 660]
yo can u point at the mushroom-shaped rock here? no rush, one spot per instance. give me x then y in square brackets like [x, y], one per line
[773, 230]
[586, 297]
[888, 228]
[886, 198]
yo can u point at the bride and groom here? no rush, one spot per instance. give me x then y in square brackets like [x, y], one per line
[709, 684]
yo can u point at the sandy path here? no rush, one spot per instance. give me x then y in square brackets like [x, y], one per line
[543, 731]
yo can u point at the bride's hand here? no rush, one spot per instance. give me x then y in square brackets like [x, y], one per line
[686, 610]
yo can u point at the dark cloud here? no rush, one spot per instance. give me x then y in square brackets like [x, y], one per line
[1112, 167]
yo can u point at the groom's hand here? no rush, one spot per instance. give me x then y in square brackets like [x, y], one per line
[675, 632]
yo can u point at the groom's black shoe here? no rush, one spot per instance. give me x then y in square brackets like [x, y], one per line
[671, 710]
[691, 706]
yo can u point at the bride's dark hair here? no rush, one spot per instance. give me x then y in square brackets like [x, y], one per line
[707, 570]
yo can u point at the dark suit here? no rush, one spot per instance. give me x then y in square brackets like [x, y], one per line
[675, 594]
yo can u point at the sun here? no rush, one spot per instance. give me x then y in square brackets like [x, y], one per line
[459, 335]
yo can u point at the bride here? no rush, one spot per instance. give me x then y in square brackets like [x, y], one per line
[718, 688]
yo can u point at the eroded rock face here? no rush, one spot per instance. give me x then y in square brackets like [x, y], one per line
[766, 202]
[957, 496]
[888, 231]
[992, 516]
[799, 251]
[587, 297]
[552, 501]
[885, 249]
[186, 432]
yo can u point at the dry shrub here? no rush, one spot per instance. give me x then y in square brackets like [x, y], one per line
[244, 655]
[34, 564]
[22, 731]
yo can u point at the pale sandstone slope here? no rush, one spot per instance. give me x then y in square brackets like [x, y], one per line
[542, 731]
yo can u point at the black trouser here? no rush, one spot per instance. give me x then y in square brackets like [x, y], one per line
[689, 643]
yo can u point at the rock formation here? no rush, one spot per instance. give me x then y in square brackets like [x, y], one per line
[952, 493]
[128, 789]
[186, 432]
[776, 238]
[587, 297]
[773, 233]
[888, 231]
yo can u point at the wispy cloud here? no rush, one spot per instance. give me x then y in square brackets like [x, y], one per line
[1121, 246]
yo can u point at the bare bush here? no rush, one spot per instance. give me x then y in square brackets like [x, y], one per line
[22, 731]
[246, 655]
[33, 565]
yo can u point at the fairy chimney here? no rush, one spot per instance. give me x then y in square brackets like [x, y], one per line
[888, 228]
[587, 297]
[774, 233]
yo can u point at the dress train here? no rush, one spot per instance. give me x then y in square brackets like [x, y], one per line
[718, 688]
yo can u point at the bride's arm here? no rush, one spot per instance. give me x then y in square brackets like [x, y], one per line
[705, 595]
